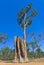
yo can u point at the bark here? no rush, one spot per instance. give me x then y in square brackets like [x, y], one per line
[25, 36]
[25, 41]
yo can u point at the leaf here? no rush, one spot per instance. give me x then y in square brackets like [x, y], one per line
[34, 12]
[28, 22]
[20, 19]
[22, 12]
[28, 7]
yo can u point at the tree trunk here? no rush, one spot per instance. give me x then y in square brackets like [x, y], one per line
[25, 42]
[25, 38]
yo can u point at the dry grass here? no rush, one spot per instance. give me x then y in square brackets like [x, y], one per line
[31, 62]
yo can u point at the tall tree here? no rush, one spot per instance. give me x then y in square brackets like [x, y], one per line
[24, 19]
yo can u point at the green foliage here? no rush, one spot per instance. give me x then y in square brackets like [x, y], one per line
[27, 46]
[28, 7]
[23, 19]
[6, 53]
[33, 46]
[3, 37]
[38, 52]
[25, 10]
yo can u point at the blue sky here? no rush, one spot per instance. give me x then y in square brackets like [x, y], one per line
[8, 19]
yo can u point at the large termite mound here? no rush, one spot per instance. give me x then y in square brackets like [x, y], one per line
[20, 51]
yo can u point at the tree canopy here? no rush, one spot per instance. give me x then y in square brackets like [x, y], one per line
[23, 18]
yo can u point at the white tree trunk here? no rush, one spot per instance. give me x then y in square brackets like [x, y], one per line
[25, 39]
[24, 34]
[25, 42]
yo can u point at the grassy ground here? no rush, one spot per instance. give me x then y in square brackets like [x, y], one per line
[31, 62]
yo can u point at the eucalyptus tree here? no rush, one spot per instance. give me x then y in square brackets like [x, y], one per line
[35, 43]
[3, 37]
[24, 19]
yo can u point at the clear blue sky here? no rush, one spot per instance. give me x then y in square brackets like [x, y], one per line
[8, 19]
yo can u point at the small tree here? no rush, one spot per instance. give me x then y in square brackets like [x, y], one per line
[38, 52]
[34, 43]
[7, 53]
[3, 37]
[24, 19]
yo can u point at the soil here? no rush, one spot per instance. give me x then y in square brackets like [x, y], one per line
[31, 62]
